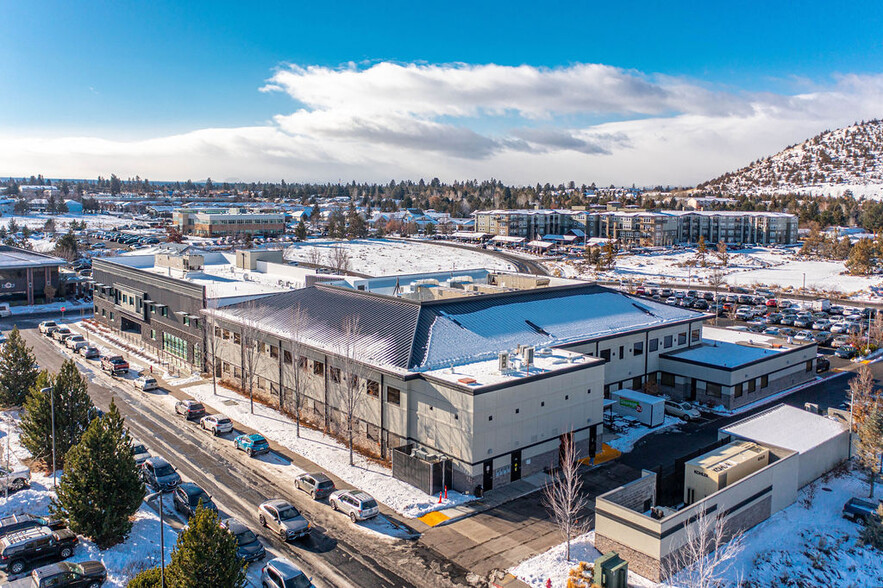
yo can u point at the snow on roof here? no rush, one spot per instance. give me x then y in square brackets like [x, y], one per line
[734, 336]
[723, 354]
[787, 427]
[486, 372]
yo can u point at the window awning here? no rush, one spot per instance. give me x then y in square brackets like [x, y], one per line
[507, 239]
[540, 244]
[180, 313]
[158, 304]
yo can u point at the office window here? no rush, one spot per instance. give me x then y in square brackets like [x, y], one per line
[103, 312]
[639, 348]
[372, 388]
[621, 352]
[165, 311]
[653, 345]
[737, 390]
[111, 315]
[713, 389]
[694, 335]
[393, 395]
[153, 308]
[318, 368]
[237, 340]
[752, 385]
[274, 352]
[174, 345]
[153, 334]
[764, 381]
[668, 341]
[682, 338]
[636, 383]
[286, 357]
[335, 374]
[605, 354]
[219, 332]
[302, 362]
[809, 365]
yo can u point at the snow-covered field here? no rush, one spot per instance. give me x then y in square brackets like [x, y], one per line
[807, 544]
[62, 221]
[378, 257]
[761, 266]
[331, 455]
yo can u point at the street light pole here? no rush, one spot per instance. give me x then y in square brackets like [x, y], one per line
[52, 411]
[162, 542]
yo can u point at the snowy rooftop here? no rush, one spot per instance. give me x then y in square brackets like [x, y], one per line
[13, 257]
[479, 374]
[725, 355]
[787, 427]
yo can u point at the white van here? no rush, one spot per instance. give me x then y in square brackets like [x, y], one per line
[5, 310]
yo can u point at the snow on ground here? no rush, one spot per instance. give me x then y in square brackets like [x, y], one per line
[378, 257]
[746, 267]
[807, 544]
[367, 475]
[637, 431]
[62, 221]
[69, 307]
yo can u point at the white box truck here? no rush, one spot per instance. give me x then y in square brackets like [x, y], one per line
[823, 305]
[648, 409]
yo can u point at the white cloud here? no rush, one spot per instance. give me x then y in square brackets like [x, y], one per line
[394, 120]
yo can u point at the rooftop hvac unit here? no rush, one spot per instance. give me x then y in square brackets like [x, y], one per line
[420, 454]
[504, 362]
[528, 354]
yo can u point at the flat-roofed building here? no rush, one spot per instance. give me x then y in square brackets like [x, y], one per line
[231, 222]
[27, 277]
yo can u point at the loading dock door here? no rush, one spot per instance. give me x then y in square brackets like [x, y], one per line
[516, 466]
[488, 481]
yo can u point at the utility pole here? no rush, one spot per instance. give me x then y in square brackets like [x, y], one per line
[51, 392]
[162, 542]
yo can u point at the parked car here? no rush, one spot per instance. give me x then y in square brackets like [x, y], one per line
[159, 474]
[252, 443]
[822, 364]
[821, 324]
[358, 505]
[683, 410]
[190, 409]
[141, 452]
[772, 331]
[64, 574]
[23, 549]
[247, 545]
[787, 332]
[19, 522]
[846, 352]
[804, 336]
[5, 311]
[145, 383]
[61, 334]
[218, 424]
[14, 478]
[71, 342]
[840, 341]
[89, 352]
[823, 338]
[282, 573]
[859, 510]
[46, 327]
[281, 517]
[317, 485]
[187, 497]
[114, 365]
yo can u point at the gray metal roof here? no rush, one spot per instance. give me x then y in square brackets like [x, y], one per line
[13, 257]
[416, 336]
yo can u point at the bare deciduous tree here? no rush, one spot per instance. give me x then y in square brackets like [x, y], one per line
[563, 495]
[869, 446]
[340, 259]
[863, 396]
[716, 280]
[211, 342]
[709, 552]
[353, 370]
[299, 323]
[314, 256]
[250, 351]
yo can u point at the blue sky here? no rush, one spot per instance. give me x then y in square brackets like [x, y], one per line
[121, 76]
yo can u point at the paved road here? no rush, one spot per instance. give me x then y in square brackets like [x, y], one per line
[337, 554]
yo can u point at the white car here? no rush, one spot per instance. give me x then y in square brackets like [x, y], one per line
[218, 424]
[684, 410]
[840, 341]
[146, 383]
[71, 342]
[821, 324]
[46, 327]
[358, 505]
[804, 336]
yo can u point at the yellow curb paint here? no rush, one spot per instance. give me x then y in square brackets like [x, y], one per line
[607, 454]
[434, 518]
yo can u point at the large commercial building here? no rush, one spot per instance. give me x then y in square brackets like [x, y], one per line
[27, 277]
[645, 228]
[233, 222]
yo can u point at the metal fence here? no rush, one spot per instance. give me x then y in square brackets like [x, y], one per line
[430, 475]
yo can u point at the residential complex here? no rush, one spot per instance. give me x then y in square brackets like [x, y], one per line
[644, 228]
[232, 222]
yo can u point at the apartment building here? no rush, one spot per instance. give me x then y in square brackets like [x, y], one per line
[530, 224]
[233, 222]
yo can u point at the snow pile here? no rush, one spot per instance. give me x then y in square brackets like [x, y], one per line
[380, 257]
[637, 431]
[332, 456]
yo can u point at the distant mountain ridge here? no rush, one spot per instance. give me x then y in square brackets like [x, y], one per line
[832, 162]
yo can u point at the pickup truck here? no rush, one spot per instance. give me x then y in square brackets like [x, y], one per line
[859, 510]
[114, 365]
[14, 478]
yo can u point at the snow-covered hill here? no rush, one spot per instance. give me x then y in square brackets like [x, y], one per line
[830, 163]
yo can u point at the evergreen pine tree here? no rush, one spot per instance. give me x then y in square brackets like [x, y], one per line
[300, 231]
[100, 488]
[17, 370]
[205, 556]
[149, 578]
[870, 443]
[73, 412]
[872, 532]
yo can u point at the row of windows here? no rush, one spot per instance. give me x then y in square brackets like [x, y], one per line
[174, 345]
[652, 345]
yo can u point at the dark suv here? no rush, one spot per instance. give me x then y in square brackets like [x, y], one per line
[187, 497]
[20, 522]
[64, 574]
[22, 549]
[190, 409]
[159, 474]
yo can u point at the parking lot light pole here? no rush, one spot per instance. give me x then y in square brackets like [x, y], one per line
[162, 542]
[52, 411]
